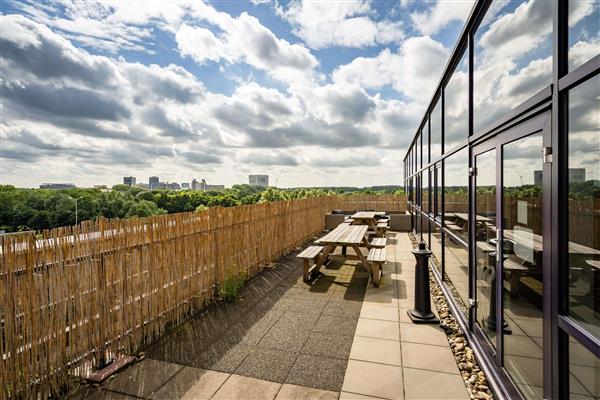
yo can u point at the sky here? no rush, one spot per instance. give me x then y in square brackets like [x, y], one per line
[325, 93]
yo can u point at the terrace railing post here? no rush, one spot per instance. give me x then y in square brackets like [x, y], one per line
[422, 313]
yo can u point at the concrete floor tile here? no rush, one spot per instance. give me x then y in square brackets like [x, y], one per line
[423, 333]
[379, 311]
[222, 356]
[286, 339]
[244, 388]
[328, 345]
[376, 350]
[372, 379]
[420, 384]
[144, 378]
[192, 384]
[294, 392]
[432, 358]
[354, 396]
[318, 372]
[108, 395]
[342, 309]
[267, 364]
[336, 325]
[378, 329]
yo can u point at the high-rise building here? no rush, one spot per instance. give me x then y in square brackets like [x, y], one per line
[153, 182]
[185, 185]
[259, 180]
[129, 180]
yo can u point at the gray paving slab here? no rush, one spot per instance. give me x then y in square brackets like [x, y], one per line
[291, 339]
[337, 325]
[143, 379]
[268, 364]
[191, 384]
[108, 395]
[342, 308]
[222, 356]
[318, 372]
[328, 345]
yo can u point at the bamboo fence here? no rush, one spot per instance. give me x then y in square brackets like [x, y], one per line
[81, 295]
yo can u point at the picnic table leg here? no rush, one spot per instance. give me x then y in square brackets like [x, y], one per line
[320, 260]
[376, 267]
[363, 260]
[343, 250]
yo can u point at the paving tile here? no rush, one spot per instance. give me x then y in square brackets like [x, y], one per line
[318, 372]
[342, 309]
[420, 384]
[108, 395]
[337, 325]
[379, 311]
[244, 388]
[294, 392]
[432, 358]
[376, 350]
[423, 333]
[192, 384]
[372, 379]
[378, 329]
[308, 306]
[144, 378]
[328, 345]
[291, 320]
[284, 338]
[222, 356]
[267, 364]
[354, 396]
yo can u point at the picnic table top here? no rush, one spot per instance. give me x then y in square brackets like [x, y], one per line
[345, 235]
[365, 215]
[465, 217]
[536, 242]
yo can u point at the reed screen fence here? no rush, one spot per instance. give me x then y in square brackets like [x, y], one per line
[74, 297]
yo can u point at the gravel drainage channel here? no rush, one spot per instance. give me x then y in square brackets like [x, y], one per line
[473, 377]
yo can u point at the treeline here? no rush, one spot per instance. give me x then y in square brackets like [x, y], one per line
[38, 209]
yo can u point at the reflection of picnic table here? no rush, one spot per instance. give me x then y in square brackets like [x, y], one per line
[353, 236]
[537, 244]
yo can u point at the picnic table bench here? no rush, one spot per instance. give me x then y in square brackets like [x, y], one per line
[376, 257]
[311, 253]
[378, 242]
[371, 218]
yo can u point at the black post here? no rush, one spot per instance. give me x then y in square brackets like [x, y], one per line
[422, 313]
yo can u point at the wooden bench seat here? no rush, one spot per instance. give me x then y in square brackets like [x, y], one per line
[454, 227]
[516, 271]
[376, 257]
[311, 253]
[379, 243]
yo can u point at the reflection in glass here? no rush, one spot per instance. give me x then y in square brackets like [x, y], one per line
[456, 106]
[418, 150]
[436, 131]
[425, 192]
[584, 35]
[513, 57]
[584, 204]
[435, 245]
[438, 190]
[425, 136]
[584, 372]
[456, 193]
[522, 262]
[456, 268]
[485, 255]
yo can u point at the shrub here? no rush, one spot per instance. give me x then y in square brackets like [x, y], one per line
[232, 284]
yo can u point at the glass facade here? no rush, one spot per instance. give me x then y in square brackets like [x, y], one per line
[513, 216]
[512, 57]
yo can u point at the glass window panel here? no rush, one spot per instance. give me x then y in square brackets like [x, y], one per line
[436, 131]
[436, 246]
[425, 136]
[513, 57]
[584, 372]
[456, 105]
[456, 269]
[425, 192]
[456, 192]
[438, 190]
[584, 204]
[584, 35]
[418, 150]
[522, 261]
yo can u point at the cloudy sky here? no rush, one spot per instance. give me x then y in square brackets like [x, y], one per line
[311, 93]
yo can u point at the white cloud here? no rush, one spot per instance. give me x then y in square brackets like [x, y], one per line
[340, 23]
[413, 71]
[439, 15]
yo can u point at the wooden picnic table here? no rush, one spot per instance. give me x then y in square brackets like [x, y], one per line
[353, 236]
[367, 218]
[538, 244]
[465, 217]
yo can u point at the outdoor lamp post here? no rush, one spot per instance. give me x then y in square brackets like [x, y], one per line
[422, 313]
